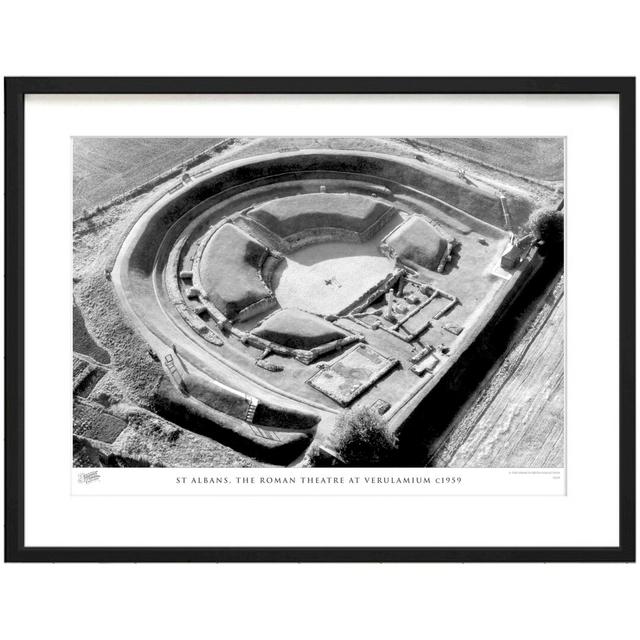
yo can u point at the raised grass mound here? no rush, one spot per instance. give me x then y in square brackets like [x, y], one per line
[416, 242]
[298, 330]
[230, 270]
[299, 213]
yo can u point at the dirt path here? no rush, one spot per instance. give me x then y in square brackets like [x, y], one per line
[519, 420]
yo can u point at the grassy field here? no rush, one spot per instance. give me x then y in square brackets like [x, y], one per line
[539, 158]
[106, 167]
[83, 342]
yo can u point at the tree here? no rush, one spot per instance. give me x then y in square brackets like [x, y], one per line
[362, 438]
[548, 225]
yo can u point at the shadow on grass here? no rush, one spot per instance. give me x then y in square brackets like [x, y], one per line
[284, 449]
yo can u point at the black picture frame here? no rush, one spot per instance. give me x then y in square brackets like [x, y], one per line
[15, 91]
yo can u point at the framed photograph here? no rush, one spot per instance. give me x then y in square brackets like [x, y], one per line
[320, 319]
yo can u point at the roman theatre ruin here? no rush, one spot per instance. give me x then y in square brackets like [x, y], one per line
[279, 290]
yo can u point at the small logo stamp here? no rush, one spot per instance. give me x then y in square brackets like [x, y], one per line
[88, 477]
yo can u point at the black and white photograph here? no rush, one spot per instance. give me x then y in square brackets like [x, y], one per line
[260, 302]
[320, 320]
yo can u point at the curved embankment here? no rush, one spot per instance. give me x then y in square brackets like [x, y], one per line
[202, 382]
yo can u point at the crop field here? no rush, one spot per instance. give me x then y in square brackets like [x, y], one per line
[106, 167]
[518, 420]
[538, 158]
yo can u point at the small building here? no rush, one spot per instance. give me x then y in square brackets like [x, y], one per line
[511, 258]
[515, 252]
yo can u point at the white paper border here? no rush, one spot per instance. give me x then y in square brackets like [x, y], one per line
[586, 516]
